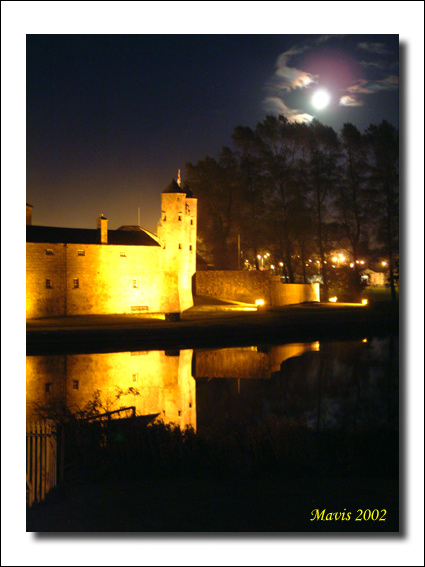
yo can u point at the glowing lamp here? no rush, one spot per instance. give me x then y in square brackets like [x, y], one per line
[259, 302]
[333, 299]
[364, 302]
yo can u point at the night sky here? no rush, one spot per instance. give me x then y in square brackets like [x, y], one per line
[111, 118]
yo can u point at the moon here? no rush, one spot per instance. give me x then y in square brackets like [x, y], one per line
[321, 99]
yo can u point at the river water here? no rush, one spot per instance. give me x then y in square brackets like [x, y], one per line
[330, 385]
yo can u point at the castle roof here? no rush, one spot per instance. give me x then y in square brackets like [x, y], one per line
[53, 234]
[174, 187]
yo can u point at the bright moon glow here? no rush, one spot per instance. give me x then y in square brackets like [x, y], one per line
[321, 99]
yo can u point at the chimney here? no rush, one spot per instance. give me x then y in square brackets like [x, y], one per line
[29, 213]
[102, 225]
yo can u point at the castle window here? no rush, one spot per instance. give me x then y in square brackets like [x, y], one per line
[49, 284]
[135, 286]
[75, 384]
[135, 376]
[164, 246]
[49, 252]
[179, 413]
[75, 283]
[48, 386]
[191, 221]
[190, 247]
[165, 218]
[180, 246]
[123, 254]
[180, 216]
[81, 252]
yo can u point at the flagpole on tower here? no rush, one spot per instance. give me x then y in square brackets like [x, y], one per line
[179, 179]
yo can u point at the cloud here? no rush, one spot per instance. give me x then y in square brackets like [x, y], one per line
[275, 105]
[379, 48]
[360, 87]
[371, 87]
[388, 84]
[374, 64]
[350, 101]
[293, 78]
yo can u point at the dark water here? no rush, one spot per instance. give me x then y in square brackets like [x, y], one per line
[265, 415]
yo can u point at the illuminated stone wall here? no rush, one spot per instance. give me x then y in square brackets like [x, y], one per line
[106, 279]
[113, 279]
[163, 381]
[242, 285]
[247, 286]
[289, 294]
[45, 280]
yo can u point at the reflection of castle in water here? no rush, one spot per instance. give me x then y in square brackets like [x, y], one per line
[327, 384]
[164, 387]
[247, 362]
[162, 380]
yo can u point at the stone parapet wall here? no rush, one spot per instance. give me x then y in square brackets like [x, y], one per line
[234, 285]
[248, 286]
[291, 294]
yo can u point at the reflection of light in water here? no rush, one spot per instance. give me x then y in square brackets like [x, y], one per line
[163, 380]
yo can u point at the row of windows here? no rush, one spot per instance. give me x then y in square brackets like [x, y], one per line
[164, 218]
[181, 246]
[76, 283]
[75, 386]
[49, 252]
[123, 253]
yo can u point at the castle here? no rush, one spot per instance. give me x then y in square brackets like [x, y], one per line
[128, 270]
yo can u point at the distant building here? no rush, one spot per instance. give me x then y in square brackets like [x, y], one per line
[374, 278]
[128, 270]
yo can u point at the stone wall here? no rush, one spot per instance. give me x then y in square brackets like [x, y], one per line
[247, 286]
[113, 279]
[290, 294]
[45, 280]
[80, 279]
[234, 285]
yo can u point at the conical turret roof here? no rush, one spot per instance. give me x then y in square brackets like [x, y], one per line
[174, 187]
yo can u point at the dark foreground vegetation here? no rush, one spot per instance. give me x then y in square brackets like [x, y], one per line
[127, 475]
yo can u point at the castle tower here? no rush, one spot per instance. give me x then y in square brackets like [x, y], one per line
[177, 236]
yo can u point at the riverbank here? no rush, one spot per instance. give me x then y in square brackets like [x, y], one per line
[210, 326]
[268, 506]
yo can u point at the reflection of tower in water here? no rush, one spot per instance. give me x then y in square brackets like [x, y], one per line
[162, 381]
